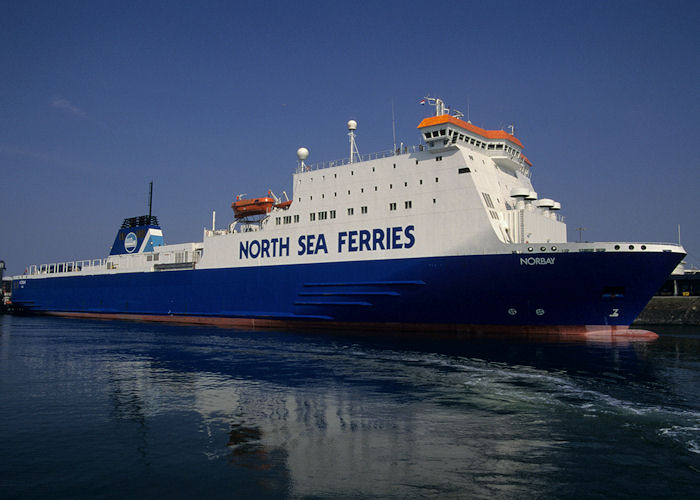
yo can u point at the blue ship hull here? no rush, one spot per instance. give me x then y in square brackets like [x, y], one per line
[447, 292]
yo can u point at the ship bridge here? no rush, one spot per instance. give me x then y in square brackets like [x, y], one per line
[445, 131]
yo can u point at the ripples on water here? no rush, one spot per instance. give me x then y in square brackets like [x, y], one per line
[113, 409]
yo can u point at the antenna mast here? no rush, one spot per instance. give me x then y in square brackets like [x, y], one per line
[393, 123]
[352, 126]
[440, 108]
[150, 199]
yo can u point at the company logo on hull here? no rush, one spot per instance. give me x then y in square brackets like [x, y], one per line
[536, 261]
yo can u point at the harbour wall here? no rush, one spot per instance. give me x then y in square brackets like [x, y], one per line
[671, 311]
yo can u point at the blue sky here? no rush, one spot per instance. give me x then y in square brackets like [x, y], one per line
[212, 99]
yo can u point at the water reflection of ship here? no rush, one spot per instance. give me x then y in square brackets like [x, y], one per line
[314, 421]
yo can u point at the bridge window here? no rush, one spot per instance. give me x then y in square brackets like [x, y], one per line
[363, 210]
[408, 204]
[351, 211]
[392, 206]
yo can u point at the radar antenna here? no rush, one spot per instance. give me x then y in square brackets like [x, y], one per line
[302, 154]
[352, 126]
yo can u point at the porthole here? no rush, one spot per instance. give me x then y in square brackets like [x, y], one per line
[617, 247]
[644, 247]
[554, 249]
[631, 247]
[530, 249]
[512, 311]
[543, 249]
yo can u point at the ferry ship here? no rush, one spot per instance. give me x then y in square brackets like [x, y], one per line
[447, 235]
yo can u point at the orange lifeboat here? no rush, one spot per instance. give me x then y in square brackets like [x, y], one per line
[255, 206]
[284, 205]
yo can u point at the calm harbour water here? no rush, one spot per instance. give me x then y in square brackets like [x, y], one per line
[119, 409]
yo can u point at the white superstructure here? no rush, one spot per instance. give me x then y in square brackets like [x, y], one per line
[465, 190]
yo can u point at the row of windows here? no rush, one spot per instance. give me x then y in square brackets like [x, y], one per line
[335, 176]
[331, 214]
[376, 188]
[287, 219]
[352, 172]
[407, 204]
[322, 215]
[470, 140]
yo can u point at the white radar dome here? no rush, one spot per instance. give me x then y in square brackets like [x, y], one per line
[545, 203]
[302, 154]
[352, 125]
[519, 192]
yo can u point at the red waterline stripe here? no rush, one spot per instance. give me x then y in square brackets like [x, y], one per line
[601, 333]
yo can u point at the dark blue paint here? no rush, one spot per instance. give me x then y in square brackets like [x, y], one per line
[448, 290]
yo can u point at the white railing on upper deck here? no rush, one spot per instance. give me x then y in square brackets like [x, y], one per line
[67, 267]
[365, 157]
[122, 261]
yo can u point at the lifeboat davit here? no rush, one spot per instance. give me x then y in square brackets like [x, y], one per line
[255, 206]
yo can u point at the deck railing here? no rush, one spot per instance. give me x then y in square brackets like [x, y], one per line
[359, 158]
[125, 261]
[66, 267]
